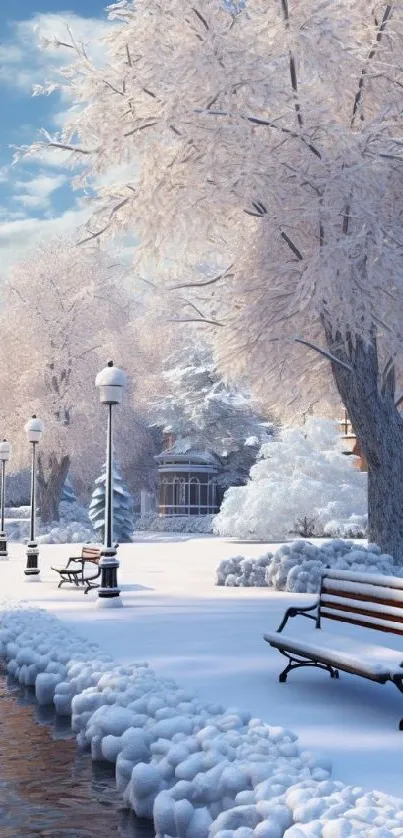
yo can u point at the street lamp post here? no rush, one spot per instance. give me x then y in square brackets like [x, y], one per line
[111, 382]
[33, 429]
[5, 453]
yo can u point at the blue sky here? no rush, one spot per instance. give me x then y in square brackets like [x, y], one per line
[35, 196]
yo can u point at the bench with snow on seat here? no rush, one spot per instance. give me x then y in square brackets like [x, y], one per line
[76, 572]
[363, 599]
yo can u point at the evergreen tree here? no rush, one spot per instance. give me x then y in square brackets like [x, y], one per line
[122, 506]
[68, 495]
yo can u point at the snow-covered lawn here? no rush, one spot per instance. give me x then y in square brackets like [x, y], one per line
[209, 639]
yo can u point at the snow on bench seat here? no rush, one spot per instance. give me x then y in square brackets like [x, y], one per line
[370, 659]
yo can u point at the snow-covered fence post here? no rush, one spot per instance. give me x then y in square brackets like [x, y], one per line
[33, 429]
[111, 382]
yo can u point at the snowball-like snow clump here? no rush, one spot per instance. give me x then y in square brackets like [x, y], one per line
[175, 523]
[301, 475]
[197, 769]
[298, 566]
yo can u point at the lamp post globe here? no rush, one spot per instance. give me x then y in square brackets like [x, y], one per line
[5, 454]
[111, 382]
[34, 429]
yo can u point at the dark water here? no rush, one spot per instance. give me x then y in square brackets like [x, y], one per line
[47, 787]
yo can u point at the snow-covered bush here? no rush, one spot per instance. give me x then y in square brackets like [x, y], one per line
[300, 474]
[175, 523]
[73, 511]
[17, 530]
[198, 769]
[66, 532]
[239, 572]
[298, 566]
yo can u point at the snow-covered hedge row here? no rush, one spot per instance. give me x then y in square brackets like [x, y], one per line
[298, 566]
[72, 532]
[200, 770]
[301, 480]
[175, 523]
[17, 511]
[74, 525]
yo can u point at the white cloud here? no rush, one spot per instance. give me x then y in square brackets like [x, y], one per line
[23, 62]
[17, 235]
[32, 181]
[36, 192]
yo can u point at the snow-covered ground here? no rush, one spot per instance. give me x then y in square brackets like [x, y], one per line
[209, 639]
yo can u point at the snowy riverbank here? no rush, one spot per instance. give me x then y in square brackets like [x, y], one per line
[210, 641]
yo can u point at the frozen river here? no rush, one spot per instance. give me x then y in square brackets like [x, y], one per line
[47, 787]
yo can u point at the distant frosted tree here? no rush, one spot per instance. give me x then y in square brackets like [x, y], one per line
[201, 409]
[122, 507]
[256, 150]
[63, 315]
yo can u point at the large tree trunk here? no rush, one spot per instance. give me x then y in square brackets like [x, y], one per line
[369, 399]
[52, 473]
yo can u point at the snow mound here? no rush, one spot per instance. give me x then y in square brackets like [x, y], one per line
[176, 523]
[298, 566]
[301, 479]
[199, 770]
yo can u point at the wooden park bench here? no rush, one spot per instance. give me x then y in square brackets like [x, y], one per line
[363, 599]
[75, 570]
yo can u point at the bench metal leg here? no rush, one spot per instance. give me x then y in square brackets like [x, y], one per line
[297, 663]
[398, 681]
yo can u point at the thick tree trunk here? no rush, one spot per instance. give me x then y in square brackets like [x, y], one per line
[369, 399]
[51, 476]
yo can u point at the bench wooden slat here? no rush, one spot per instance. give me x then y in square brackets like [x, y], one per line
[360, 606]
[358, 590]
[380, 581]
[393, 628]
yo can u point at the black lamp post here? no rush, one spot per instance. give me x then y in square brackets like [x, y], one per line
[111, 382]
[33, 429]
[5, 454]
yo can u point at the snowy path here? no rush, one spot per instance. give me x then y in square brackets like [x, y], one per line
[210, 639]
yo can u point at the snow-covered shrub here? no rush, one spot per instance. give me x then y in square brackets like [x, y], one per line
[73, 511]
[355, 527]
[175, 523]
[66, 532]
[298, 566]
[198, 769]
[17, 530]
[300, 474]
[239, 572]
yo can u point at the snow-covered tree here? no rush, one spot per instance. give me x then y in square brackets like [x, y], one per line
[67, 493]
[265, 136]
[122, 506]
[63, 316]
[301, 476]
[201, 409]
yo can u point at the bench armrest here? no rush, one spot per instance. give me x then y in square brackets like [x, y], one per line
[294, 612]
[74, 559]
